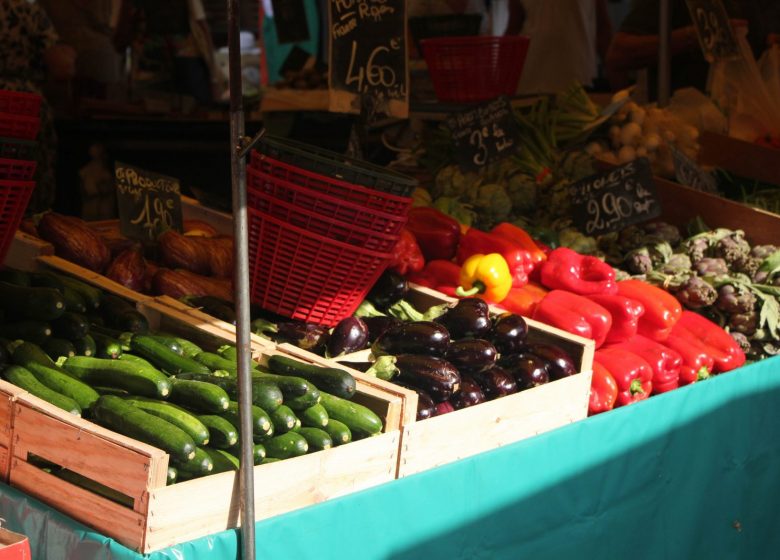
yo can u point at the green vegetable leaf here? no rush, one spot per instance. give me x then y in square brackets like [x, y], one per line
[771, 264]
[770, 312]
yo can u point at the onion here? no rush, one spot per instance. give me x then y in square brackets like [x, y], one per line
[630, 133]
[626, 154]
[652, 141]
[593, 148]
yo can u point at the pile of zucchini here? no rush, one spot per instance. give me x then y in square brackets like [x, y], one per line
[92, 354]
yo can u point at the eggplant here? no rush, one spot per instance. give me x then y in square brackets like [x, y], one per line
[214, 306]
[495, 382]
[349, 335]
[508, 333]
[360, 366]
[304, 335]
[469, 318]
[471, 354]
[426, 408]
[378, 325]
[388, 289]
[423, 337]
[469, 394]
[444, 407]
[559, 363]
[527, 369]
[435, 376]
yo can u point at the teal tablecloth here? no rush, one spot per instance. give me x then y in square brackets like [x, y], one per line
[691, 474]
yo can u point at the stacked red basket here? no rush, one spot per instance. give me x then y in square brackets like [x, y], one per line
[321, 229]
[19, 124]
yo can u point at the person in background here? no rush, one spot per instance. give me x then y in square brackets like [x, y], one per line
[31, 54]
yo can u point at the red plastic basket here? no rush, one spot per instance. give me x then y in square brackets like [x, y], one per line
[19, 126]
[316, 202]
[14, 196]
[473, 69]
[349, 192]
[17, 169]
[20, 103]
[306, 276]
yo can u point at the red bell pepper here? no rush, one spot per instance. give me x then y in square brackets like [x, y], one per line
[575, 314]
[662, 310]
[436, 233]
[603, 390]
[523, 301]
[625, 315]
[724, 349]
[479, 242]
[664, 361]
[633, 375]
[565, 269]
[522, 239]
[440, 275]
[407, 257]
[696, 361]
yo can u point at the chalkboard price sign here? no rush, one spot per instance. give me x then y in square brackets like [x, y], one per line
[485, 134]
[610, 201]
[713, 27]
[149, 203]
[690, 174]
[368, 57]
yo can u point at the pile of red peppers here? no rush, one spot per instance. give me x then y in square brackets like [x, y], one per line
[645, 343]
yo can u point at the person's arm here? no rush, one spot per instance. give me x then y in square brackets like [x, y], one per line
[603, 29]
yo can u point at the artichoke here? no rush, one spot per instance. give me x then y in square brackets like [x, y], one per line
[735, 299]
[732, 247]
[661, 231]
[763, 251]
[696, 247]
[743, 323]
[748, 265]
[638, 261]
[742, 340]
[711, 267]
[678, 263]
[695, 293]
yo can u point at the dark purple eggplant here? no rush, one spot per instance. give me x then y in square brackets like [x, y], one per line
[469, 318]
[471, 354]
[435, 376]
[423, 337]
[559, 363]
[444, 407]
[508, 333]
[378, 325]
[360, 366]
[495, 382]
[468, 395]
[349, 335]
[304, 335]
[426, 408]
[527, 369]
[388, 289]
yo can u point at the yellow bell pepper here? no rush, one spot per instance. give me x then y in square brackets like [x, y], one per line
[485, 275]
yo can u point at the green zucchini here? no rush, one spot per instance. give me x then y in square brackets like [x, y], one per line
[73, 301]
[16, 277]
[286, 445]
[64, 384]
[258, 452]
[215, 361]
[94, 487]
[314, 417]
[163, 357]
[189, 348]
[176, 415]
[70, 326]
[85, 346]
[199, 465]
[223, 461]
[360, 420]
[119, 314]
[138, 360]
[90, 294]
[123, 337]
[32, 331]
[338, 432]
[171, 343]
[261, 421]
[23, 378]
[27, 352]
[317, 439]
[200, 396]
[303, 402]
[134, 378]
[107, 347]
[119, 415]
[222, 433]
[331, 380]
[57, 347]
[40, 304]
[270, 460]
[283, 419]
[173, 476]
[265, 394]
[291, 386]
[111, 391]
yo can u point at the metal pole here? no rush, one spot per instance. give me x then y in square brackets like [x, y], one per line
[664, 54]
[241, 284]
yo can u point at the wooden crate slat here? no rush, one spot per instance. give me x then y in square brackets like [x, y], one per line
[8, 394]
[739, 157]
[25, 249]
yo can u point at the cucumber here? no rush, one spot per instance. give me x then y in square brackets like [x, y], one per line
[317, 439]
[297, 426]
[215, 361]
[111, 391]
[258, 452]
[200, 396]
[73, 301]
[41, 304]
[222, 433]
[134, 378]
[64, 384]
[199, 465]
[189, 349]
[360, 420]
[107, 347]
[172, 344]
[119, 415]
[94, 487]
[32, 331]
[338, 432]
[123, 337]
[176, 415]
[332, 380]
[304, 401]
[16, 277]
[57, 347]
[90, 294]
[139, 361]
[314, 417]
[270, 460]
[283, 419]
[70, 326]
[163, 357]
[85, 346]
[27, 352]
[173, 476]
[261, 421]
[119, 314]
[286, 445]
[265, 394]
[291, 386]
[223, 461]
[23, 378]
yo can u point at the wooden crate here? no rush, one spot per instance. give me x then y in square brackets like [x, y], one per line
[24, 249]
[191, 209]
[739, 157]
[155, 515]
[8, 395]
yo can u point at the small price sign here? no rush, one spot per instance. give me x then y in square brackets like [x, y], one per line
[690, 174]
[610, 201]
[149, 203]
[713, 27]
[485, 134]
